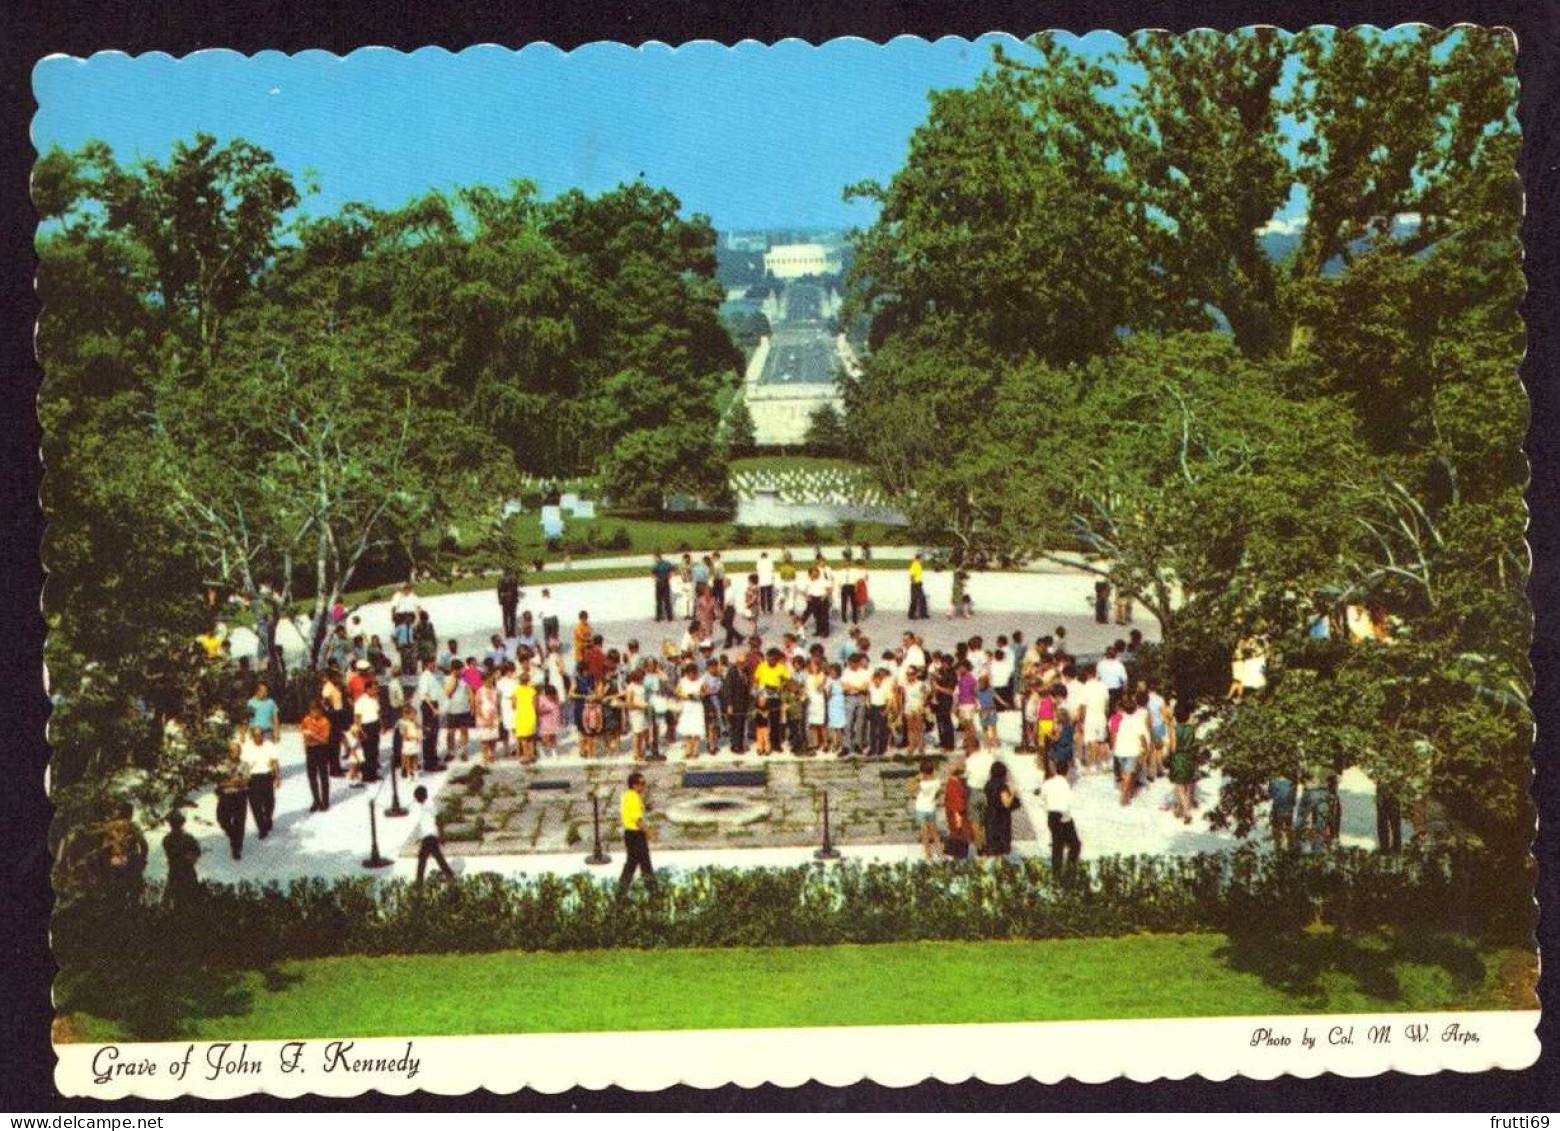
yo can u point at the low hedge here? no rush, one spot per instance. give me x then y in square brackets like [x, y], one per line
[252, 926]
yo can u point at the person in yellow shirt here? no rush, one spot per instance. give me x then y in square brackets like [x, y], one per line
[636, 836]
[918, 609]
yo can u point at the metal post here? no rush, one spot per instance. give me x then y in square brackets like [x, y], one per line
[598, 856]
[395, 809]
[828, 851]
[375, 860]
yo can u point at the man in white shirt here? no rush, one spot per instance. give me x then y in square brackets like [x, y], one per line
[977, 772]
[426, 834]
[1002, 679]
[1094, 718]
[915, 655]
[766, 583]
[1113, 674]
[547, 612]
[818, 599]
[428, 698]
[855, 680]
[1056, 794]
[365, 712]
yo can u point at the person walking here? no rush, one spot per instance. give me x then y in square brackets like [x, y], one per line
[1056, 793]
[766, 583]
[427, 834]
[636, 836]
[918, 609]
[233, 799]
[265, 774]
[182, 851]
[850, 573]
[662, 572]
[1001, 800]
[509, 600]
[316, 727]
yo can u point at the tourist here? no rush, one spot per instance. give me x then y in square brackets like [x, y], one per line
[1094, 710]
[1158, 727]
[508, 679]
[233, 798]
[547, 611]
[753, 603]
[737, 696]
[636, 836]
[549, 720]
[1056, 795]
[459, 716]
[923, 792]
[967, 703]
[661, 572]
[409, 731]
[1183, 758]
[1061, 751]
[793, 711]
[509, 599]
[728, 622]
[585, 699]
[837, 712]
[765, 576]
[986, 698]
[366, 713]
[264, 713]
[1131, 745]
[1000, 803]
[1113, 674]
[945, 689]
[918, 607]
[817, 686]
[718, 578]
[426, 833]
[818, 600]
[914, 699]
[878, 692]
[352, 748]
[316, 729]
[1102, 601]
[956, 803]
[425, 638]
[851, 571]
[636, 708]
[764, 712]
[340, 716]
[262, 755]
[786, 573]
[711, 684]
[485, 713]
[690, 715]
[1312, 816]
[428, 698]
[182, 851]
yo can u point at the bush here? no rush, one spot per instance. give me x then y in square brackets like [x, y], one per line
[620, 539]
[1238, 892]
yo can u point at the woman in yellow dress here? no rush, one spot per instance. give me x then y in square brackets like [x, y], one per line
[525, 716]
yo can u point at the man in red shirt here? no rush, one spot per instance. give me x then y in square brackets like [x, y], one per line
[595, 660]
[357, 681]
[956, 804]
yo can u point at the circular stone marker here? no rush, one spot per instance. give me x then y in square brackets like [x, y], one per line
[729, 812]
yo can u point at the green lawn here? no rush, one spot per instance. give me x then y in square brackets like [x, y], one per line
[1141, 976]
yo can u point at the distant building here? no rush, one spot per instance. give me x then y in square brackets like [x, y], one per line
[747, 241]
[798, 260]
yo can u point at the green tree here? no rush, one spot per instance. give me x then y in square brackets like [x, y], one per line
[741, 435]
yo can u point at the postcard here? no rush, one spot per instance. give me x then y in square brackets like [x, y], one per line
[1076, 489]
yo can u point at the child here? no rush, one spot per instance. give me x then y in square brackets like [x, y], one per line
[924, 790]
[411, 741]
[549, 716]
[761, 725]
[352, 741]
[588, 703]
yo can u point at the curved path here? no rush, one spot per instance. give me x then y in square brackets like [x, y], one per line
[334, 844]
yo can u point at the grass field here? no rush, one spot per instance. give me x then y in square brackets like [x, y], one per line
[1142, 976]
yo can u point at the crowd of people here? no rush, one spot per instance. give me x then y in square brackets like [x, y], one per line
[757, 666]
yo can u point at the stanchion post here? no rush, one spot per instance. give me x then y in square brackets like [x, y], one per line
[375, 860]
[828, 851]
[597, 856]
[396, 750]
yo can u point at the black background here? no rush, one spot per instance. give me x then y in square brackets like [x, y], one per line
[31, 29]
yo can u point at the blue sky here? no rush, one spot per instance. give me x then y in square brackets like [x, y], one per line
[753, 135]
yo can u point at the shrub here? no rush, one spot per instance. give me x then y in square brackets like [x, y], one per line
[1236, 892]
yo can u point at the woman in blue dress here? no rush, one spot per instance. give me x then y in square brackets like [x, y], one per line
[834, 692]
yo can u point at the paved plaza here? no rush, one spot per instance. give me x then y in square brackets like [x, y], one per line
[526, 830]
